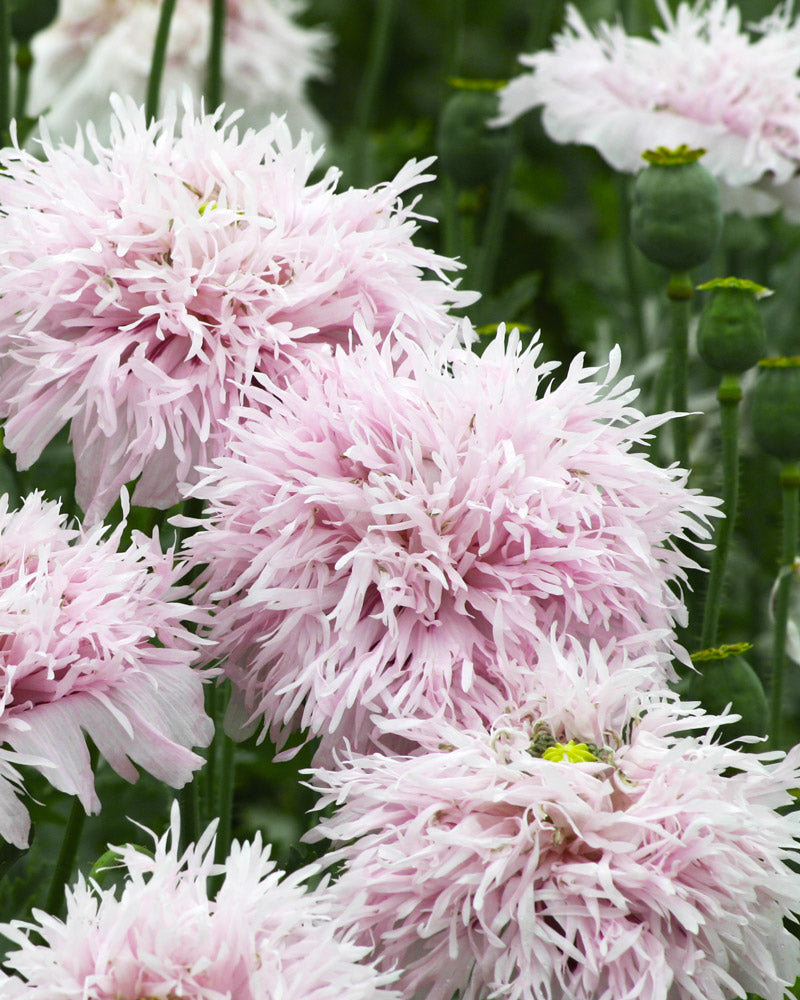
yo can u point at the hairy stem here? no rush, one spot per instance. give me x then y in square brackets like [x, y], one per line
[790, 491]
[729, 395]
[679, 293]
[153, 93]
[214, 85]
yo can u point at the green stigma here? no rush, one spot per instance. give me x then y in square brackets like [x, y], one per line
[792, 362]
[678, 157]
[490, 329]
[574, 753]
[740, 284]
[721, 652]
[464, 83]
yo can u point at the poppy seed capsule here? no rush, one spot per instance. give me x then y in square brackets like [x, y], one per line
[775, 408]
[676, 217]
[469, 152]
[731, 336]
[29, 17]
[727, 678]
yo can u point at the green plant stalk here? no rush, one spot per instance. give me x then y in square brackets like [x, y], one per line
[492, 236]
[226, 776]
[5, 71]
[729, 395]
[629, 266]
[790, 491]
[224, 779]
[365, 106]
[455, 33]
[214, 80]
[542, 16]
[214, 701]
[679, 292]
[191, 822]
[153, 93]
[450, 224]
[24, 62]
[54, 904]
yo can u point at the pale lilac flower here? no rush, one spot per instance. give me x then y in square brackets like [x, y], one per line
[97, 47]
[263, 936]
[93, 642]
[141, 294]
[701, 80]
[404, 544]
[629, 862]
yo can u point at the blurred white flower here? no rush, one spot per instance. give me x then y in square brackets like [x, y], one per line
[96, 47]
[700, 80]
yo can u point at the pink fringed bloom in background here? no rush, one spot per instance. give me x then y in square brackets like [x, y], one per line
[96, 47]
[93, 643]
[405, 545]
[620, 862]
[263, 937]
[141, 294]
[701, 80]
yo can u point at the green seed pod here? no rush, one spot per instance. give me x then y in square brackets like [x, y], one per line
[775, 408]
[28, 17]
[731, 336]
[726, 678]
[469, 152]
[676, 219]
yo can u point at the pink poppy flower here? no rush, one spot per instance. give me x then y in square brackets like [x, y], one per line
[555, 857]
[263, 936]
[98, 47]
[92, 643]
[142, 290]
[404, 544]
[700, 80]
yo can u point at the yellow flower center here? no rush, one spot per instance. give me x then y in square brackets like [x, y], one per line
[572, 752]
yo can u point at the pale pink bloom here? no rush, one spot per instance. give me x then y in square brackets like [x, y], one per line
[659, 870]
[263, 936]
[403, 544]
[93, 642]
[701, 80]
[97, 47]
[141, 294]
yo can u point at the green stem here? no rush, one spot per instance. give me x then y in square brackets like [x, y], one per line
[540, 25]
[629, 266]
[214, 91]
[224, 777]
[365, 107]
[630, 20]
[191, 824]
[153, 94]
[790, 490]
[450, 225]
[494, 223]
[5, 71]
[679, 293]
[455, 33]
[54, 904]
[24, 62]
[214, 700]
[729, 395]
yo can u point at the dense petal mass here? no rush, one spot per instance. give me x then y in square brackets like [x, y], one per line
[143, 290]
[700, 80]
[93, 642]
[405, 545]
[96, 47]
[263, 936]
[553, 859]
